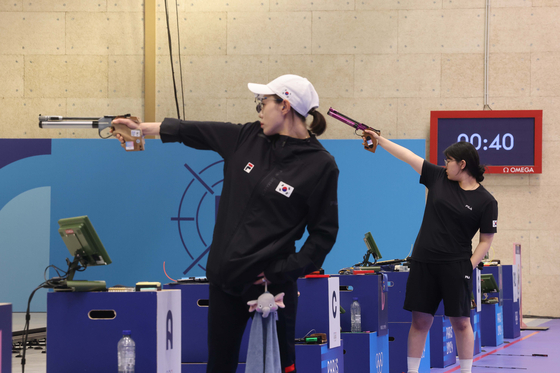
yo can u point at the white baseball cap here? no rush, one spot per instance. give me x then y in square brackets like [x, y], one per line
[297, 90]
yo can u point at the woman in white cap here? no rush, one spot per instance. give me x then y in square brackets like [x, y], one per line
[278, 181]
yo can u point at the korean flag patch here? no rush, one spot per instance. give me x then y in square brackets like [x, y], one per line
[284, 189]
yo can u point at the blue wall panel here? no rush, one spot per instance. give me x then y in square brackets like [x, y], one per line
[159, 206]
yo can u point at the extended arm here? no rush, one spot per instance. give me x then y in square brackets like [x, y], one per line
[217, 136]
[482, 248]
[399, 152]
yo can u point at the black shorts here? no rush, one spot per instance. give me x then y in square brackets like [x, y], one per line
[429, 283]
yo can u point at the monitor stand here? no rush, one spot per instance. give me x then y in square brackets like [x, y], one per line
[70, 285]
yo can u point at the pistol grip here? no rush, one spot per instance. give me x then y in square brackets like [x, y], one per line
[371, 143]
[133, 139]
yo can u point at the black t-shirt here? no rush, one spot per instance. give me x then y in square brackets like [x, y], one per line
[451, 218]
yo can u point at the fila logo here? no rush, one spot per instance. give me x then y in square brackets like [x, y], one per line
[285, 189]
[249, 167]
[494, 223]
[467, 206]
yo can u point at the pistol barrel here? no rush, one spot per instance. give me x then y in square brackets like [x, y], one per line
[349, 121]
[67, 124]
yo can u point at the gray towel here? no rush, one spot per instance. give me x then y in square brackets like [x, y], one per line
[263, 353]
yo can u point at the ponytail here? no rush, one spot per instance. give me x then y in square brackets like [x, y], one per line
[480, 176]
[319, 124]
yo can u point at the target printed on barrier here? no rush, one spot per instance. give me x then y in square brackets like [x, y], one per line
[197, 212]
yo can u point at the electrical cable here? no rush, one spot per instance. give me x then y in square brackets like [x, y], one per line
[51, 283]
[171, 58]
[56, 269]
[164, 271]
[26, 327]
[180, 62]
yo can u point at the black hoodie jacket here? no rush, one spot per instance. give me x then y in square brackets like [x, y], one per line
[274, 186]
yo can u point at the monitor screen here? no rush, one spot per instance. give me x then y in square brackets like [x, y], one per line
[372, 246]
[488, 283]
[82, 241]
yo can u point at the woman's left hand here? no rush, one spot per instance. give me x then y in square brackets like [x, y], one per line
[262, 280]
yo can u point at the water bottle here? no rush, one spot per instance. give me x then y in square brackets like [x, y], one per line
[356, 316]
[126, 353]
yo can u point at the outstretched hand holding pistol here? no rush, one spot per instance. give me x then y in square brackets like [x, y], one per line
[148, 128]
[397, 151]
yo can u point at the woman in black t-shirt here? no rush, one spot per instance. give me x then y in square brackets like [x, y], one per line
[442, 261]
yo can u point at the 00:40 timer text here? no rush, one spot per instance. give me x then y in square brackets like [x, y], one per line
[505, 141]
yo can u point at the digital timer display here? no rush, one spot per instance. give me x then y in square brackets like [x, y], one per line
[506, 141]
[510, 142]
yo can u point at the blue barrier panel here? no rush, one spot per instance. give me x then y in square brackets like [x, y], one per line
[397, 290]
[398, 337]
[512, 328]
[366, 352]
[492, 325]
[475, 324]
[442, 343]
[5, 337]
[512, 319]
[319, 358]
[201, 368]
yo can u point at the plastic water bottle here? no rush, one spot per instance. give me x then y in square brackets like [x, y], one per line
[356, 316]
[126, 353]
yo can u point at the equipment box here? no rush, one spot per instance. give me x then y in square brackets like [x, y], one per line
[5, 337]
[397, 291]
[475, 323]
[194, 325]
[319, 308]
[398, 339]
[201, 368]
[84, 329]
[319, 358]
[372, 294]
[366, 352]
[492, 325]
[512, 319]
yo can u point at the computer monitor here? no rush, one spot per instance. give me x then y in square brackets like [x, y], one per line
[84, 245]
[488, 283]
[372, 250]
[372, 246]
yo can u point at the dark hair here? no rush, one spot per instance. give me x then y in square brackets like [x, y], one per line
[466, 151]
[319, 124]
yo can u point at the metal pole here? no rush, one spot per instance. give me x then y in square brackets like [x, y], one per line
[486, 53]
